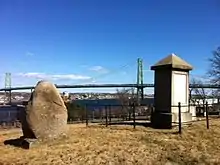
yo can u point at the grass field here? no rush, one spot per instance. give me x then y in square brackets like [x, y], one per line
[120, 145]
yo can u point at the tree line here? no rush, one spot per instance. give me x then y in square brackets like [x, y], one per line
[212, 76]
[126, 98]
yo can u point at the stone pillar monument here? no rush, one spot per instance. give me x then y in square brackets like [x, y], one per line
[171, 81]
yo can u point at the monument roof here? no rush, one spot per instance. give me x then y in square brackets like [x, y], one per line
[174, 62]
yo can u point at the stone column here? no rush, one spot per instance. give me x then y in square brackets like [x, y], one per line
[171, 82]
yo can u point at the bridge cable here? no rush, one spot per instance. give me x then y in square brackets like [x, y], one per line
[111, 72]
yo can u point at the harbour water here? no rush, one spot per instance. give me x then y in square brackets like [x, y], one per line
[100, 103]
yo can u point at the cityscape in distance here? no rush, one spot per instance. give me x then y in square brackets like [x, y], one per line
[24, 96]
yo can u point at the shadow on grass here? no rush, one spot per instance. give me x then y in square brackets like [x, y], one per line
[19, 142]
[144, 124]
[147, 125]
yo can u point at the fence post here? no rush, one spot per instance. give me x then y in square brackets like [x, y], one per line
[106, 116]
[87, 123]
[207, 114]
[134, 122]
[180, 127]
[110, 114]
[151, 111]
[93, 115]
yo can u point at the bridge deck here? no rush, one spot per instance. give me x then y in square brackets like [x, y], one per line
[109, 86]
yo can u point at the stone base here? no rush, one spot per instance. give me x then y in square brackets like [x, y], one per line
[185, 117]
[21, 142]
[161, 120]
[194, 118]
[28, 143]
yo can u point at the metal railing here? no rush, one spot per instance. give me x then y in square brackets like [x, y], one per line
[211, 86]
[115, 114]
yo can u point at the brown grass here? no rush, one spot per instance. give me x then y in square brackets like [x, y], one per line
[118, 145]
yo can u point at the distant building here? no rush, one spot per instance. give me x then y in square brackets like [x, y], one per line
[210, 101]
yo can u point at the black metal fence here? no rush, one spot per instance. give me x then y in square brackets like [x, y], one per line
[109, 114]
[113, 114]
[132, 113]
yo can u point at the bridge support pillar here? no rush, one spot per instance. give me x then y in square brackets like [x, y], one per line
[140, 77]
[142, 93]
[171, 80]
[8, 86]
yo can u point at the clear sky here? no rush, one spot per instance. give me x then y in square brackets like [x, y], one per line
[99, 41]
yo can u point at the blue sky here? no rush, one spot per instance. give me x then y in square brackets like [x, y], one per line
[78, 41]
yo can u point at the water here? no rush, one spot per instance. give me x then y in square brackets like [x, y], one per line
[101, 103]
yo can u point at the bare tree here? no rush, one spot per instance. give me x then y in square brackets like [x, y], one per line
[199, 93]
[215, 95]
[123, 96]
[191, 99]
[214, 70]
[126, 97]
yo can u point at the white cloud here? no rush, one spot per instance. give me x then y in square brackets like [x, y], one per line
[54, 76]
[98, 69]
[32, 75]
[29, 53]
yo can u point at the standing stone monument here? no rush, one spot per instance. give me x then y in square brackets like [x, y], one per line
[45, 116]
[171, 81]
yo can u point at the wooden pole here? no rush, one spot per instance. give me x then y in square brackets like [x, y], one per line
[180, 127]
[207, 114]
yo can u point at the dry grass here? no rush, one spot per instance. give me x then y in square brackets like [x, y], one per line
[118, 145]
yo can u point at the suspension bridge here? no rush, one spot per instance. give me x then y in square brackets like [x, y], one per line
[109, 86]
[139, 85]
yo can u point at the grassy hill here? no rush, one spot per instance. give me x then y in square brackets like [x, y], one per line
[116, 145]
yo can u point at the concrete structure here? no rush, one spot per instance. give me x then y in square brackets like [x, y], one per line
[192, 110]
[171, 86]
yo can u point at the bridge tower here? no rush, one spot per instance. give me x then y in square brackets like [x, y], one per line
[140, 80]
[8, 86]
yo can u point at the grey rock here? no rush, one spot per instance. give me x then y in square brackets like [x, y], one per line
[45, 116]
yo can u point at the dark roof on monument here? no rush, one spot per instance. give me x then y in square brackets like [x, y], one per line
[172, 61]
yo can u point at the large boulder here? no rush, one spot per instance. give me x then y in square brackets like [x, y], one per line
[45, 116]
